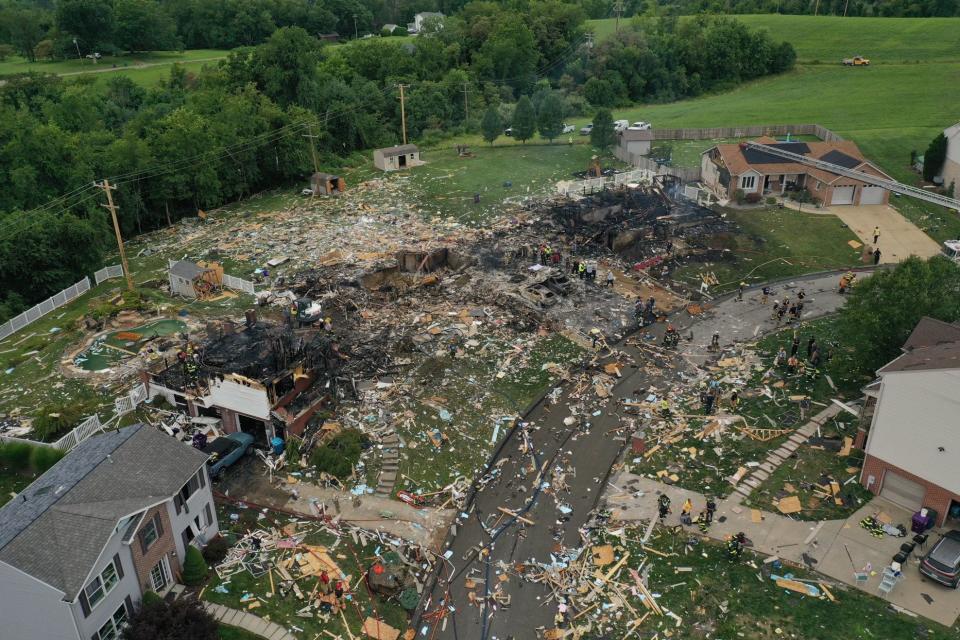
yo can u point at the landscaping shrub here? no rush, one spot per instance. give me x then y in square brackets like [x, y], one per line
[194, 568]
[739, 196]
[42, 458]
[338, 456]
[151, 597]
[15, 456]
[161, 620]
[216, 550]
[753, 198]
[771, 200]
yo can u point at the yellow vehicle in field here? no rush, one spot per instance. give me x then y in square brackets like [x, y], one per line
[856, 61]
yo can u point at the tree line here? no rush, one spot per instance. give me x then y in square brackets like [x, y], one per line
[197, 141]
[598, 9]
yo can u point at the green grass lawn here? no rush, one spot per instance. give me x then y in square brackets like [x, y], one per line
[352, 560]
[126, 63]
[235, 633]
[812, 461]
[470, 389]
[721, 598]
[447, 183]
[771, 243]
[830, 39]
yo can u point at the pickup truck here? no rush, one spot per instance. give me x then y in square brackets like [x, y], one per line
[225, 451]
[856, 61]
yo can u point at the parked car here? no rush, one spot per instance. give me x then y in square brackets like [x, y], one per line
[568, 128]
[942, 562]
[620, 125]
[508, 131]
[585, 131]
[225, 451]
[640, 126]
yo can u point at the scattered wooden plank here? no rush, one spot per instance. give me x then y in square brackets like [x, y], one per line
[515, 515]
[826, 592]
[379, 630]
[790, 504]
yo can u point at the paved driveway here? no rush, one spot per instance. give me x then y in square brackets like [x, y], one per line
[899, 238]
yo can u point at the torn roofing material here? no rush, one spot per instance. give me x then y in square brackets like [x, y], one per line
[56, 528]
[186, 269]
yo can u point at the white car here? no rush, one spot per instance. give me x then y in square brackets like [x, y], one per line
[568, 128]
[620, 125]
[640, 126]
[585, 131]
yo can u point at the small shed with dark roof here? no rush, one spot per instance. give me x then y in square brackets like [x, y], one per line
[396, 157]
[327, 184]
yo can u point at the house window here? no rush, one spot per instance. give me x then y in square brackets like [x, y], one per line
[100, 586]
[112, 627]
[207, 516]
[748, 182]
[151, 532]
[819, 185]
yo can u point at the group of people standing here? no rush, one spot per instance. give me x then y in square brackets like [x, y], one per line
[704, 518]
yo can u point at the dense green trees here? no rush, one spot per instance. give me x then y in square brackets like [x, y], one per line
[491, 124]
[882, 310]
[603, 136]
[934, 157]
[524, 120]
[550, 116]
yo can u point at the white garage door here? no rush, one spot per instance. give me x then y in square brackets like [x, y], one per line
[842, 195]
[871, 195]
[902, 491]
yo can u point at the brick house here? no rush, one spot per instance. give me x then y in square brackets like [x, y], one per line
[110, 521]
[914, 434]
[726, 168]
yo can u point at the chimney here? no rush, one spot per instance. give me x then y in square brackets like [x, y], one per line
[227, 327]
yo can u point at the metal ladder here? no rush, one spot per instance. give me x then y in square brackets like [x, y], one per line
[890, 185]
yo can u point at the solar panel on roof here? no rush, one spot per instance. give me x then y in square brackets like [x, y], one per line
[841, 159]
[756, 156]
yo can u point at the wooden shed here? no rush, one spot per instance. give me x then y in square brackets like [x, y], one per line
[327, 184]
[193, 280]
[396, 157]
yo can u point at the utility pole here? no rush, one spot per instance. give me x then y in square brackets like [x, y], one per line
[108, 189]
[313, 153]
[589, 43]
[80, 57]
[403, 115]
[355, 36]
[618, 7]
[466, 105]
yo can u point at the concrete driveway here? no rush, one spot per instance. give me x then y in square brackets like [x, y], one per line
[899, 238]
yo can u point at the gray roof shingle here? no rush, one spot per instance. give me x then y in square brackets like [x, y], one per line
[57, 527]
[185, 269]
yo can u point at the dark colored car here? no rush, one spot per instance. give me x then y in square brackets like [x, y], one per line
[942, 563]
[225, 451]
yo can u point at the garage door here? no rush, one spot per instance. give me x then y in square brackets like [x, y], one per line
[871, 195]
[842, 195]
[902, 491]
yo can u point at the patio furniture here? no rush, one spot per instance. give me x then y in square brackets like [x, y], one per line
[901, 557]
[920, 540]
[907, 547]
[889, 580]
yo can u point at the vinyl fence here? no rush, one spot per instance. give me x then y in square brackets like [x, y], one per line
[113, 271]
[239, 284]
[35, 313]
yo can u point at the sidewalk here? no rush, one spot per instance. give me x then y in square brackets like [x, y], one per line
[248, 622]
[821, 546]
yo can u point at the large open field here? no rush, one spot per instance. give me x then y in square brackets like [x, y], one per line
[829, 39]
[144, 68]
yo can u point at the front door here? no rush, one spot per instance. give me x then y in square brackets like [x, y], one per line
[160, 575]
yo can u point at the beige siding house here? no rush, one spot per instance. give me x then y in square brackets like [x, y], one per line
[951, 166]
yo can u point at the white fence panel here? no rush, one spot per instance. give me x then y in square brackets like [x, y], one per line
[123, 405]
[232, 282]
[112, 271]
[38, 311]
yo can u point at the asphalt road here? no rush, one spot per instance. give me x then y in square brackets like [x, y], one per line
[591, 452]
